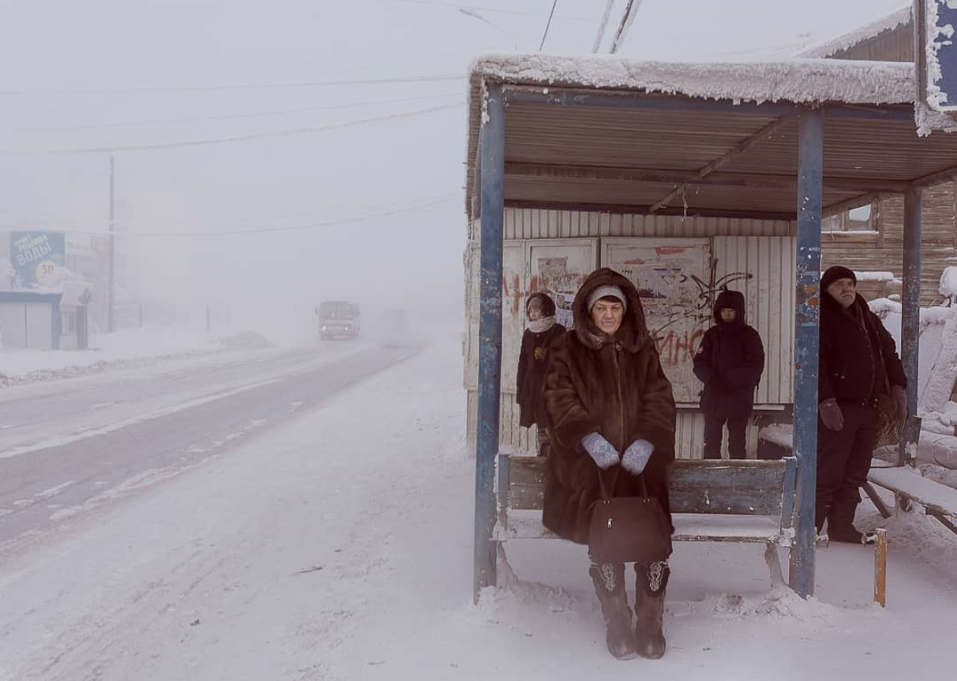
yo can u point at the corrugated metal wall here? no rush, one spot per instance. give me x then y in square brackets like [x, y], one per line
[534, 223]
[771, 260]
[769, 264]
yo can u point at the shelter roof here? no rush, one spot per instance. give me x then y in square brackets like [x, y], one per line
[714, 139]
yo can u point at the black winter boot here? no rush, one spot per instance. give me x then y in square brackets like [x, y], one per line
[609, 580]
[840, 524]
[650, 584]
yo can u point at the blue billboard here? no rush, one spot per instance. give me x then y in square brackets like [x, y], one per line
[38, 258]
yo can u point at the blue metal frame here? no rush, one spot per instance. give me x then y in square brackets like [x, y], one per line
[806, 344]
[490, 336]
[30, 297]
[910, 322]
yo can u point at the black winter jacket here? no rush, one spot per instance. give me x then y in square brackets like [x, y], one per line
[858, 356]
[729, 362]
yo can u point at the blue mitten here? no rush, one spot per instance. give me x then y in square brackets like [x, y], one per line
[636, 456]
[601, 450]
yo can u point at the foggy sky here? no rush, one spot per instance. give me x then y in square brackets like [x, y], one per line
[108, 70]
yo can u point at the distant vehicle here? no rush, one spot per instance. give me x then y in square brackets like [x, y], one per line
[338, 319]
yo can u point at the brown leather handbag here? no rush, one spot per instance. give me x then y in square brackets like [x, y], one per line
[628, 529]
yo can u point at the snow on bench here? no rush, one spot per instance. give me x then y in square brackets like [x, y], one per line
[939, 500]
[722, 501]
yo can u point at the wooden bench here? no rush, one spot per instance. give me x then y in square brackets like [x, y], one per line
[939, 501]
[724, 501]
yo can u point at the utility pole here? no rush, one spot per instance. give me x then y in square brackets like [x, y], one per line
[112, 265]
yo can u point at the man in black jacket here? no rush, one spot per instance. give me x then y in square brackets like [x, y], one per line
[858, 362]
[729, 362]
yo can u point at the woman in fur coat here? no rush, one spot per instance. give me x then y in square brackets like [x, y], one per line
[610, 408]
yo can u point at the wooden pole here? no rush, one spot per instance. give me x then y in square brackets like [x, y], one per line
[880, 568]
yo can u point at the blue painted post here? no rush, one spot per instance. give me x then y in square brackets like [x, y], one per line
[490, 336]
[806, 343]
[910, 322]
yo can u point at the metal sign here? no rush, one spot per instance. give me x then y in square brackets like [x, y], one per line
[38, 258]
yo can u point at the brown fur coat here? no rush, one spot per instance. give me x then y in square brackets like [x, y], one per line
[613, 386]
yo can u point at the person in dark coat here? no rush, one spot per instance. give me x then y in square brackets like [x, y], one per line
[729, 362]
[537, 341]
[610, 406]
[858, 361]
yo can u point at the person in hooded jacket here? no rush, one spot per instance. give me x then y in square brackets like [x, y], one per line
[533, 358]
[729, 362]
[610, 406]
[858, 362]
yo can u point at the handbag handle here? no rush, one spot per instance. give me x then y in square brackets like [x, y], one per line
[604, 491]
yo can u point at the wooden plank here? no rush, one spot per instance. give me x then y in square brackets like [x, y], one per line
[694, 486]
[688, 527]
[938, 499]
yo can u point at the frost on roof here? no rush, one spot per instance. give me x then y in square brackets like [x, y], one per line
[799, 81]
[859, 35]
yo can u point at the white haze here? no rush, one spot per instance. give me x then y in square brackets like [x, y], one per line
[136, 52]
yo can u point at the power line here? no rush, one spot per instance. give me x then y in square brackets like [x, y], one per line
[234, 138]
[242, 86]
[224, 117]
[418, 205]
[547, 25]
[601, 27]
[631, 9]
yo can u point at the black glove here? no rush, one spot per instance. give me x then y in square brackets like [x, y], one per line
[900, 402]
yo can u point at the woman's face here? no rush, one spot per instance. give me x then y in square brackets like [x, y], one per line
[534, 313]
[607, 315]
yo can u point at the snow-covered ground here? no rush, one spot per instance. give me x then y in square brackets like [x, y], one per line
[340, 547]
[125, 348]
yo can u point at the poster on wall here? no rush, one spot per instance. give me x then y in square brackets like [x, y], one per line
[674, 282]
[555, 279]
[38, 258]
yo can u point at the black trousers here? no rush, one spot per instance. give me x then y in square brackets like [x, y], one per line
[714, 432]
[844, 460]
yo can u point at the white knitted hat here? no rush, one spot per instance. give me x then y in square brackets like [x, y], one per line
[608, 290]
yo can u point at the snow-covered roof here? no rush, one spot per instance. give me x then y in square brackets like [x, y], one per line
[554, 157]
[803, 81]
[844, 42]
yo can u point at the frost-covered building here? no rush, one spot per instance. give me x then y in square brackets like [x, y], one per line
[867, 232]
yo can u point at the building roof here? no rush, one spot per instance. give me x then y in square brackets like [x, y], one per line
[842, 43]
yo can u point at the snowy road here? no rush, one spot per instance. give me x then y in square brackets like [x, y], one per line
[338, 547]
[69, 447]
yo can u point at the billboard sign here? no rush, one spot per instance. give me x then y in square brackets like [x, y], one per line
[38, 258]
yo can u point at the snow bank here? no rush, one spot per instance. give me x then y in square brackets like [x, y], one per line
[781, 434]
[120, 350]
[875, 276]
[948, 283]
[778, 604]
[803, 81]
